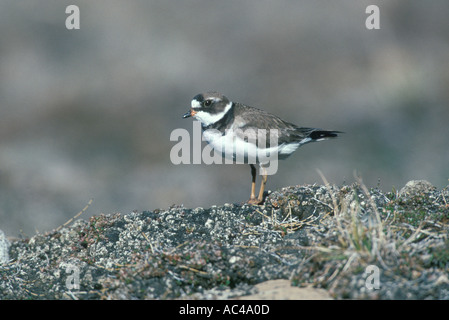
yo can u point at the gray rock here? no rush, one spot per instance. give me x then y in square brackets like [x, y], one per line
[417, 186]
[4, 248]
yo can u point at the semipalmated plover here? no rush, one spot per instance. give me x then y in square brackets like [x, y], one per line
[255, 136]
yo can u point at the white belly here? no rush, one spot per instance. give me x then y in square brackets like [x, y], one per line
[232, 147]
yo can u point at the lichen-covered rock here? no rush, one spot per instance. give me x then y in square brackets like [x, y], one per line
[414, 187]
[4, 248]
[314, 236]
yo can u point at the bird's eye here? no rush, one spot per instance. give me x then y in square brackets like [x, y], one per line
[207, 103]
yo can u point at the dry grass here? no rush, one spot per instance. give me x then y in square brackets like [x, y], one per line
[405, 236]
[361, 234]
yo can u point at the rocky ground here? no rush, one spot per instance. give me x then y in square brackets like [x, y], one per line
[317, 242]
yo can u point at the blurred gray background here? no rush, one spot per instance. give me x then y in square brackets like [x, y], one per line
[88, 113]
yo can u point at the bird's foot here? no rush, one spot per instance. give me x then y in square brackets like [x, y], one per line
[255, 201]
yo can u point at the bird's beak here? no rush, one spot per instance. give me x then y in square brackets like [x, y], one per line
[191, 113]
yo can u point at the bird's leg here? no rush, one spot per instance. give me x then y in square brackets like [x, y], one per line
[259, 199]
[252, 198]
[262, 185]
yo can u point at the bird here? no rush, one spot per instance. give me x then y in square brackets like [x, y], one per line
[238, 131]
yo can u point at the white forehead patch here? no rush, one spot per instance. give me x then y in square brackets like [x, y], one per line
[195, 104]
[207, 118]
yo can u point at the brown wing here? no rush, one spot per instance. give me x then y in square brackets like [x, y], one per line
[253, 119]
[285, 132]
